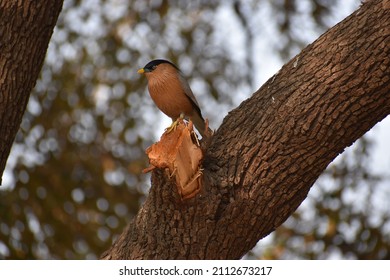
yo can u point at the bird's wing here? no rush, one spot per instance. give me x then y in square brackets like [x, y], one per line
[189, 93]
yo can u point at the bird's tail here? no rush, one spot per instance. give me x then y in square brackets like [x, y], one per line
[200, 125]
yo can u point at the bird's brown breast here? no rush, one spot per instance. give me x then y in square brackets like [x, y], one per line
[167, 92]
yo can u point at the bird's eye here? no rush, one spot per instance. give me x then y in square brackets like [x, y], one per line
[154, 67]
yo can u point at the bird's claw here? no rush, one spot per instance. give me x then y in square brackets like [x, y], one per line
[174, 124]
[172, 127]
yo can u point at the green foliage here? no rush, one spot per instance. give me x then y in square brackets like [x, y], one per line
[75, 172]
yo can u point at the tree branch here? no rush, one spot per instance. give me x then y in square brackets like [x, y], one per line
[25, 31]
[271, 149]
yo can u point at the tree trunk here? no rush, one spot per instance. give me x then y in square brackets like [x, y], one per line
[25, 31]
[269, 151]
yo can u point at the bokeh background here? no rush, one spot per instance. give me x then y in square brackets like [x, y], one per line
[73, 179]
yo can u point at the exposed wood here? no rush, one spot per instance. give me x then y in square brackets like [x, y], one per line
[178, 153]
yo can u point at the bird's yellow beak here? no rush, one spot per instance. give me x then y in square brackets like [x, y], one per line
[141, 71]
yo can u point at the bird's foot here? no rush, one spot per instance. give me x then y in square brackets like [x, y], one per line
[174, 124]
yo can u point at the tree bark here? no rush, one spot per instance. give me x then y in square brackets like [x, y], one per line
[270, 150]
[25, 31]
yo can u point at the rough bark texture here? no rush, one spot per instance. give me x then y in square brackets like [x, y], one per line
[270, 150]
[25, 31]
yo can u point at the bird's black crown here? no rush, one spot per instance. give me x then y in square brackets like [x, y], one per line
[152, 64]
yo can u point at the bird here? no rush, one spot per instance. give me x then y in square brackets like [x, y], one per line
[172, 94]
